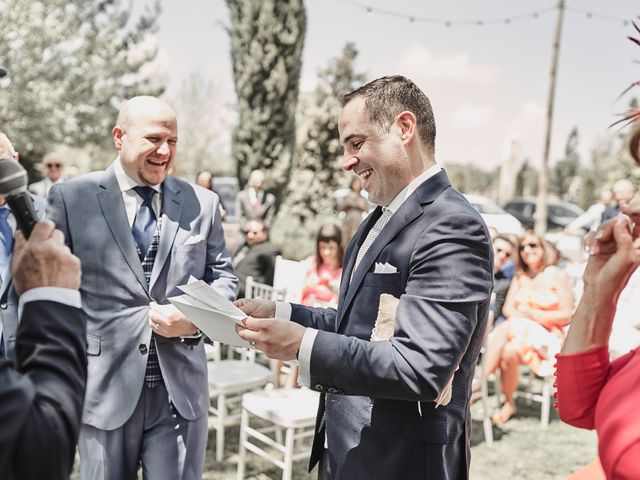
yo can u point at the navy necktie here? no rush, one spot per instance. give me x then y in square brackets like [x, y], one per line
[144, 225]
[5, 232]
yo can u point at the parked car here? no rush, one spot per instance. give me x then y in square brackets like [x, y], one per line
[559, 213]
[494, 216]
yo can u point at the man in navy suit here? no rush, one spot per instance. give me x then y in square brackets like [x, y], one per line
[420, 267]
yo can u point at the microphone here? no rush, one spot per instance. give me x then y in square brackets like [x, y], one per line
[13, 186]
[3, 72]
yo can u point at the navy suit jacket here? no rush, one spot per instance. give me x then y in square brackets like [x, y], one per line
[369, 407]
[41, 397]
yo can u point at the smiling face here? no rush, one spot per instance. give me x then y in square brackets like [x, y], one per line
[377, 157]
[532, 251]
[146, 137]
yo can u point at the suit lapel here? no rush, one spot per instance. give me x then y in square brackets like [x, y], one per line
[411, 209]
[171, 213]
[112, 206]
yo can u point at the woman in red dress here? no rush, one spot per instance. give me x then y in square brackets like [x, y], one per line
[594, 393]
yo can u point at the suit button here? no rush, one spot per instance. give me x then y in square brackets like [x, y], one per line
[142, 348]
[331, 390]
[319, 388]
[3, 305]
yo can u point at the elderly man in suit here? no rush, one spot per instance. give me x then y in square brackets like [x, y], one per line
[8, 295]
[253, 203]
[52, 167]
[395, 361]
[140, 233]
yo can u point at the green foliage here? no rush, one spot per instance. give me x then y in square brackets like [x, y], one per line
[563, 174]
[267, 37]
[471, 179]
[526, 181]
[316, 174]
[70, 63]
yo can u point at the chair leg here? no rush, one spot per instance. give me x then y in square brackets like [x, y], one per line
[288, 455]
[220, 427]
[242, 453]
[486, 416]
[546, 403]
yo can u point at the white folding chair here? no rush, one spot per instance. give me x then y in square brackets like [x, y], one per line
[228, 380]
[255, 289]
[289, 275]
[293, 410]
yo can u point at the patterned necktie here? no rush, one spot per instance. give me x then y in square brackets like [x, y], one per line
[6, 234]
[145, 223]
[372, 235]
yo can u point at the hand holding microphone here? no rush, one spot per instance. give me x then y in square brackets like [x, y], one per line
[13, 186]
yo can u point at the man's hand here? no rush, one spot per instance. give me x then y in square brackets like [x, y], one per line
[169, 322]
[257, 307]
[278, 339]
[44, 260]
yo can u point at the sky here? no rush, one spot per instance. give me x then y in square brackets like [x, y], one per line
[488, 83]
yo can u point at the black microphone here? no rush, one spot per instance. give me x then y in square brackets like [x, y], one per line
[3, 72]
[13, 186]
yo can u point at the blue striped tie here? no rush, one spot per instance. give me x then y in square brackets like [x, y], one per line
[145, 223]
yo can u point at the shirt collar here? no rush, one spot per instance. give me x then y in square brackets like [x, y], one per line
[125, 182]
[399, 199]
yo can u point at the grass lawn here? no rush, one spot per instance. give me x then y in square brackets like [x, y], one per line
[521, 451]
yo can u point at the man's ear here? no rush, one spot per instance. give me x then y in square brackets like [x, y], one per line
[117, 137]
[407, 124]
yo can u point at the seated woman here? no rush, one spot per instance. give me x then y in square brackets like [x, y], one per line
[322, 280]
[538, 305]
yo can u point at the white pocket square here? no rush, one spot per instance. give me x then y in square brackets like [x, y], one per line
[193, 239]
[384, 268]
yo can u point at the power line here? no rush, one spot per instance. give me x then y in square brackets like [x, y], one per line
[479, 22]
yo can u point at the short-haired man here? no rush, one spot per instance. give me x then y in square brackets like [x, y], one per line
[8, 295]
[52, 167]
[253, 203]
[256, 257]
[623, 192]
[417, 281]
[140, 233]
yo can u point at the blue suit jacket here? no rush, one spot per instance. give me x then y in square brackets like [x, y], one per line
[9, 297]
[115, 295]
[442, 251]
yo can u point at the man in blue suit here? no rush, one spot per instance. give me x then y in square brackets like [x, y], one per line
[140, 233]
[8, 295]
[417, 280]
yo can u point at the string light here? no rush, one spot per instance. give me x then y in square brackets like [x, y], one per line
[536, 14]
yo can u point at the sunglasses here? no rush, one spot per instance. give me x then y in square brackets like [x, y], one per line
[53, 165]
[529, 245]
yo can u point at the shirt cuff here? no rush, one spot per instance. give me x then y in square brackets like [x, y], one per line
[283, 310]
[304, 356]
[67, 296]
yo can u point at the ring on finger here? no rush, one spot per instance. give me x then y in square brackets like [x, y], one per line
[253, 344]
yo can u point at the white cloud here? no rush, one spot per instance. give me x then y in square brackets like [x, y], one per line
[471, 116]
[419, 62]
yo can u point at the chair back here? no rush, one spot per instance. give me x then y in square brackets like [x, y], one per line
[255, 289]
[289, 276]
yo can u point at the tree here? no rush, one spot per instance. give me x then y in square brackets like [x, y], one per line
[565, 171]
[267, 37]
[203, 123]
[474, 180]
[526, 181]
[70, 63]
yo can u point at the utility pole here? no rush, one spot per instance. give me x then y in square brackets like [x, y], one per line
[543, 178]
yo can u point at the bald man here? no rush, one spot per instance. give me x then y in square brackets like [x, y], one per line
[623, 192]
[139, 233]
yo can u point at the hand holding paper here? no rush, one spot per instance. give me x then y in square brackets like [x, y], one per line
[169, 322]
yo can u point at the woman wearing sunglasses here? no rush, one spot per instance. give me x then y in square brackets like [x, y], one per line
[537, 308]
